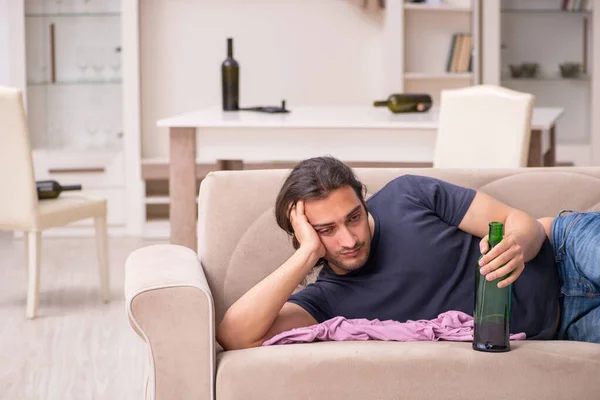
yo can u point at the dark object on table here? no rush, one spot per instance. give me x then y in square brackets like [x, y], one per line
[406, 102]
[52, 189]
[516, 70]
[570, 70]
[529, 69]
[230, 80]
[268, 109]
[524, 70]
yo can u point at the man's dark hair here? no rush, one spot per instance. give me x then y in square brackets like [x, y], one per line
[313, 179]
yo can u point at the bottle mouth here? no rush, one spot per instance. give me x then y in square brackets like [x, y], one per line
[496, 229]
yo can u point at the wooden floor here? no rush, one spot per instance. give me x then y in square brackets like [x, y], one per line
[79, 347]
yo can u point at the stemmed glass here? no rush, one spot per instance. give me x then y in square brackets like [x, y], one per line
[82, 61]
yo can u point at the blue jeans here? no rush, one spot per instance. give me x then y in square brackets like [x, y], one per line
[576, 242]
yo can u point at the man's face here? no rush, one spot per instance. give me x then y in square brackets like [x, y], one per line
[342, 223]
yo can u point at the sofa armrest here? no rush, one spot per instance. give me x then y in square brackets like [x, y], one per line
[170, 306]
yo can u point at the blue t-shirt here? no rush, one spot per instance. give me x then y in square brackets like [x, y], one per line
[422, 265]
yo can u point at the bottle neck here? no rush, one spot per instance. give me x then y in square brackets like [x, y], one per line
[380, 103]
[229, 47]
[495, 233]
[71, 187]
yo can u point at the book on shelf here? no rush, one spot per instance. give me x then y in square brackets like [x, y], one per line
[577, 5]
[460, 57]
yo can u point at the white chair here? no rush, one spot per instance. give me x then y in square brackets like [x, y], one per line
[483, 126]
[19, 206]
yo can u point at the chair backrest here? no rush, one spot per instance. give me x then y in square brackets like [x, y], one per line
[18, 196]
[483, 126]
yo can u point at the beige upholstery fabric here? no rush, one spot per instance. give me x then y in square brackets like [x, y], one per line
[19, 206]
[170, 306]
[483, 126]
[416, 370]
[237, 233]
[240, 244]
[69, 207]
[18, 198]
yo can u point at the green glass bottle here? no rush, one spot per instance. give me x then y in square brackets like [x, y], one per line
[230, 80]
[52, 189]
[492, 305]
[406, 102]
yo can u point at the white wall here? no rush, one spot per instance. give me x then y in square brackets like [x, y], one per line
[12, 53]
[4, 49]
[305, 51]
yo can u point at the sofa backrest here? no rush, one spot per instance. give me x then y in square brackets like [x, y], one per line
[239, 242]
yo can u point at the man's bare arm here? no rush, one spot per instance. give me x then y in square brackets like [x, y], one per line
[262, 312]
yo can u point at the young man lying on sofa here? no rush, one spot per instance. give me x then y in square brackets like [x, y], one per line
[407, 253]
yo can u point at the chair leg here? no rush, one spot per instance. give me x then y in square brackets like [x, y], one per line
[26, 242]
[102, 246]
[34, 240]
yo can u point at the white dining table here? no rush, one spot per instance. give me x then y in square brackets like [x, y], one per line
[350, 133]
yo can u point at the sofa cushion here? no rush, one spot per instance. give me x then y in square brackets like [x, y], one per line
[392, 370]
[275, 243]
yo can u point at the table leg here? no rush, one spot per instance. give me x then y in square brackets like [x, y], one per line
[535, 149]
[550, 156]
[182, 187]
[230, 165]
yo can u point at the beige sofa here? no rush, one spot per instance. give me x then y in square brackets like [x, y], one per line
[175, 299]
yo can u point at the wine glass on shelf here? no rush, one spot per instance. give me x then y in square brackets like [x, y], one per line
[98, 68]
[82, 56]
[60, 6]
[92, 131]
[97, 63]
[87, 6]
[115, 64]
[54, 135]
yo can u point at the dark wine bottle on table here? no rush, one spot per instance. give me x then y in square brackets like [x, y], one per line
[230, 80]
[52, 189]
[492, 305]
[406, 102]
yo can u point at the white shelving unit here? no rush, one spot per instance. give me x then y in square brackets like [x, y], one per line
[538, 31]
[77, 64]
[418, 40]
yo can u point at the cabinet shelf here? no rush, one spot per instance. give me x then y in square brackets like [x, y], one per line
[436, 7]
[69, 15]
[441, 75]
[546, 78]
[542, 11]
[75, 83]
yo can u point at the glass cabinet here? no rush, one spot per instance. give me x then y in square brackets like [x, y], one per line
[73, 70]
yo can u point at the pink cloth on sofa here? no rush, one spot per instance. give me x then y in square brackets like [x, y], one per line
[450, 325]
